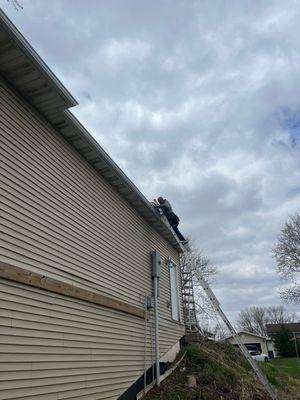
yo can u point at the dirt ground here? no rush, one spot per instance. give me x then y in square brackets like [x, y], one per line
[220, 371]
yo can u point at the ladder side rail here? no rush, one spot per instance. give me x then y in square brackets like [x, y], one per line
[243, 348]
[188, 297]
[251, 361]
[184, 303]
[191, 302]
[188, 306]
[193, 310]
[183, 282]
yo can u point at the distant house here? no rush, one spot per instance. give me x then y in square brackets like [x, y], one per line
[76, 238]
[251, 341]
[293, 327]
[272, 329]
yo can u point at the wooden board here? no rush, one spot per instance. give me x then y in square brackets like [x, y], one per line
[27, 277]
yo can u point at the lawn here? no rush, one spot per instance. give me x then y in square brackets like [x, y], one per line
[288, 366]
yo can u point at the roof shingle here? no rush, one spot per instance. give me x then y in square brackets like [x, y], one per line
[274, 328]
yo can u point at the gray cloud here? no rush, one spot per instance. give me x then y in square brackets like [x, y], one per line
[197, 101]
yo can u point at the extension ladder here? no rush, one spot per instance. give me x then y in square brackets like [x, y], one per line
[242, 347]
[211, 296]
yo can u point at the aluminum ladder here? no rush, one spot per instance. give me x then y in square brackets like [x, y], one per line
[188, 300]
[215, 303]
[231, 329]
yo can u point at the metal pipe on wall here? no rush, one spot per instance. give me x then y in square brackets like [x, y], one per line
[157, 367]
[145, 343]
[156, 269]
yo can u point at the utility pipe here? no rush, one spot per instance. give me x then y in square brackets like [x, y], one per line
[157, 368]
[156, 269]
[145, 344]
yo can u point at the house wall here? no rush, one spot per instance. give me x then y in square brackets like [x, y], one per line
[271, 348]
[59, 218]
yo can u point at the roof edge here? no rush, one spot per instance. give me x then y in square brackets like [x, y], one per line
[123, 177]
[108, 159]
[29, 51]
[62, 118]
[248, 333]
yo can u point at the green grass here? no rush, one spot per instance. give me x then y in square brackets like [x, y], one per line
[270, 372]
[287, 366]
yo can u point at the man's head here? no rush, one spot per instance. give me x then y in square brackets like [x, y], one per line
[161, 200]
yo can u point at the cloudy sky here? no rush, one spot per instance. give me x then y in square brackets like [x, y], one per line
[197, 101]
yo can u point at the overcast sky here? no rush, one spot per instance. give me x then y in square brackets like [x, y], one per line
[197, 101]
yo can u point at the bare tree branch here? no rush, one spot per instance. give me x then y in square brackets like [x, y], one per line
[291, 294]
[254, 319]
[197, 260]
[287, 256]
[16, 4]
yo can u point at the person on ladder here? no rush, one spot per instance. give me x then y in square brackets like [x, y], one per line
[173, 219]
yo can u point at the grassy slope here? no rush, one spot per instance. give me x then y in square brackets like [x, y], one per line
[288, 366]
[222, 373]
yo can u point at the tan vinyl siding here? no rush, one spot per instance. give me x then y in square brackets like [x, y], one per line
[50, 344]
[60, 215]
[59, 218]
